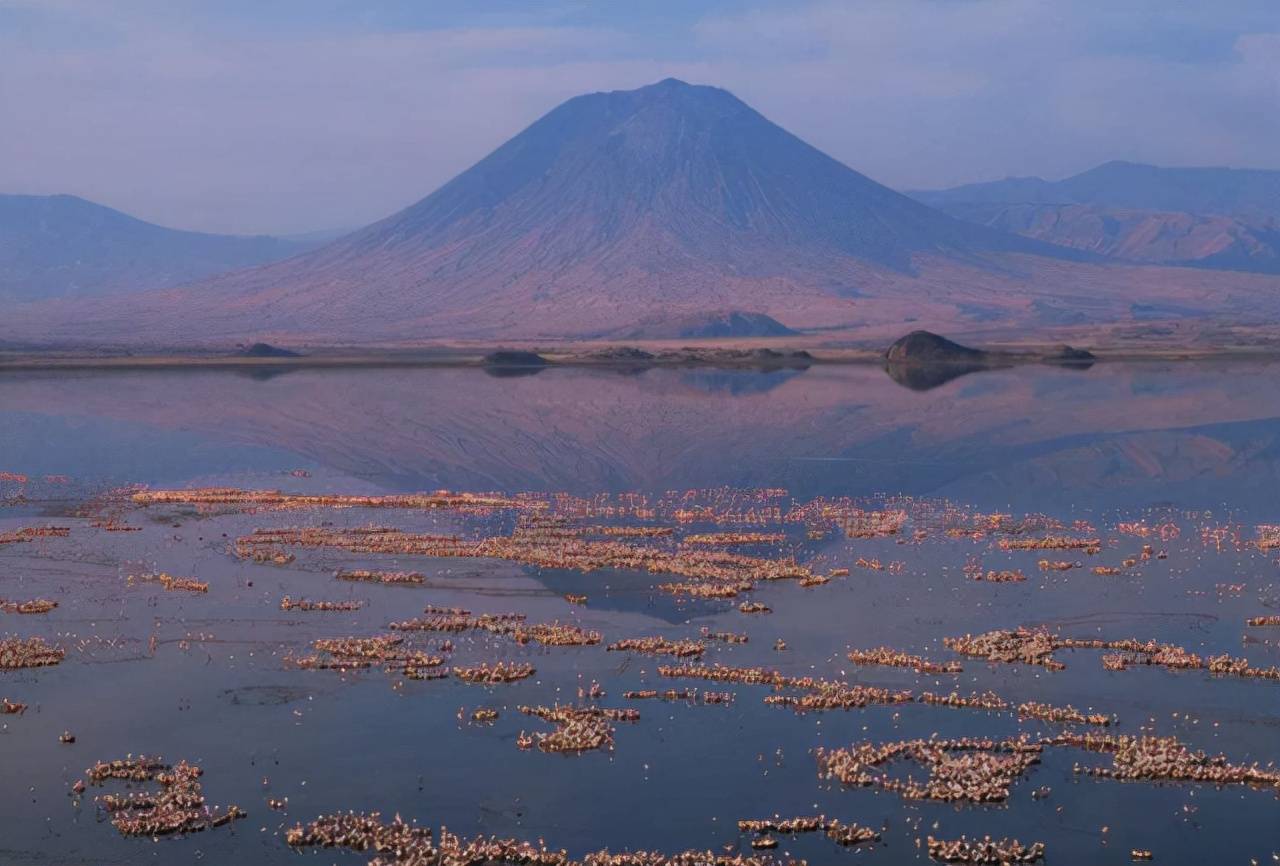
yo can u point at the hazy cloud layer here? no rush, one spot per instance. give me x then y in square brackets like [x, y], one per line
[325, 113]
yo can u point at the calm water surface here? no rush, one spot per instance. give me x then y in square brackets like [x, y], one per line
[1197, 445]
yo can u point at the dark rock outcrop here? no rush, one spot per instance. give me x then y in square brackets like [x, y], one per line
[926, 347]
[266, 350]
[1071, 355]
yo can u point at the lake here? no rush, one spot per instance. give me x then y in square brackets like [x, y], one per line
[901, 489]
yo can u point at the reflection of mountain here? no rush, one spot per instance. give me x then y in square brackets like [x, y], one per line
[1232, 464]
[1031, 436]
[736, 383]
[627, 592]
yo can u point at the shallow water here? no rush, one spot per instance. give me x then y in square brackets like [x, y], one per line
[1194, 445]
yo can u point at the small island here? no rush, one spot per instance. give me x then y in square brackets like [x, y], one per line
[928, 348]
[266, 350]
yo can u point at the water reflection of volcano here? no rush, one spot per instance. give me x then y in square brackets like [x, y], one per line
[739, 382]
[1031, 436]
[626, 592]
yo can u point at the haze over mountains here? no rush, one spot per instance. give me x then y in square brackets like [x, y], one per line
[1202, 217]
[668, 210]
[1248, 193]
[64, 246]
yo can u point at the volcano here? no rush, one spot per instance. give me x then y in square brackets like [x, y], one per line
[669, 202]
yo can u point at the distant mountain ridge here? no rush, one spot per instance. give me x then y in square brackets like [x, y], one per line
[62, 246]
[1250, 194]
[1211, 241]
[662, 210]
[1215, 218]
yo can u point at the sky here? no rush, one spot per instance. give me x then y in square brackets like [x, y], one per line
[292, 116]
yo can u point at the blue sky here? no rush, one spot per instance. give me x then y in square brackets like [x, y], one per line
[297, 115]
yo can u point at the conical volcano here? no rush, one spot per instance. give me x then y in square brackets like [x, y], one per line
[630, 178]
[612, 208]
[615, 208]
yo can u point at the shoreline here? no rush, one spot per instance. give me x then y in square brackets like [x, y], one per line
[767, 357]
